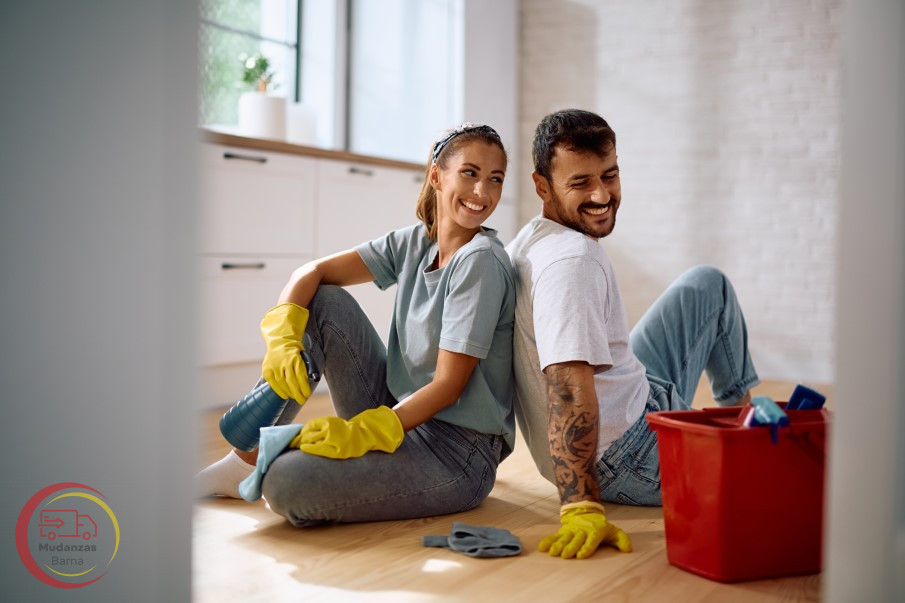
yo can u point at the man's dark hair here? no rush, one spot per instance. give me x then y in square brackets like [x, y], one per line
[576, 130]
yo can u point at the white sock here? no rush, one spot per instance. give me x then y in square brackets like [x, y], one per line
[222, 478]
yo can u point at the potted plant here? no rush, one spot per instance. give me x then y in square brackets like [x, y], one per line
[261, 115]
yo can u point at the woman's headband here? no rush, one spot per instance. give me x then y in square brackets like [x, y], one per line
[466, 127]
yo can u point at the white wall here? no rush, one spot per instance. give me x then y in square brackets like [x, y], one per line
[726, 115]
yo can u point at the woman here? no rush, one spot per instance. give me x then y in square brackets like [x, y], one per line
[423, 422]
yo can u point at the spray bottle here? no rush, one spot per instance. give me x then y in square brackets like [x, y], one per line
[241, 425]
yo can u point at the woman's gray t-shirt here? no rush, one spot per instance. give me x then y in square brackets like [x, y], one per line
[468, 306]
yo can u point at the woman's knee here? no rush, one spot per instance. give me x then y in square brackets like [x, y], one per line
[280, 488]
[330, 298]
[334, 305]
[273, 489]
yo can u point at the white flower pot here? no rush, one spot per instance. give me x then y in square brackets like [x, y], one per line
[262, 116]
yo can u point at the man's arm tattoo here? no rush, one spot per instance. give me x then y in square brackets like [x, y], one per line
[572, 432]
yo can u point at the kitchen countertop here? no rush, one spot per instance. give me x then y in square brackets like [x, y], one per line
[279, 146]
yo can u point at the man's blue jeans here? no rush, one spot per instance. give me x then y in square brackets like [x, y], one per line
[439, 468]
[696, 326]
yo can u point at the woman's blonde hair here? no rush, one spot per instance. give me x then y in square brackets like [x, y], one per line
[444, 148]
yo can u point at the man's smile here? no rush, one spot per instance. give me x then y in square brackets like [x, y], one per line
[597, 209]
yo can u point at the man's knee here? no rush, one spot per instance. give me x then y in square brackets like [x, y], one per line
[704, 278]
[701, 284]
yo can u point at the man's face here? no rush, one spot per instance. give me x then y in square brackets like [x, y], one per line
[584, 191]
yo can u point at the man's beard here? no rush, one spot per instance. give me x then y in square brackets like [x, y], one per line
[575, 220]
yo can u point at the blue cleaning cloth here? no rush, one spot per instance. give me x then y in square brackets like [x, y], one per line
[274, 441]
[477, 541]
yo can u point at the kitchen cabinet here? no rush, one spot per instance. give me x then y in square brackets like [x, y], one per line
[358, 202]
[255, 228]
[235, 293]
[255, 202]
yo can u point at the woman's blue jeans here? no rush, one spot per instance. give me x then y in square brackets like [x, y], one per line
[439, 468]
[696, 326]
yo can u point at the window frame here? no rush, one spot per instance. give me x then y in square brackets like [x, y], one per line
[296, 47]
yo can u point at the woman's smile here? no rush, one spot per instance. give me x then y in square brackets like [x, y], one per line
[472, 206]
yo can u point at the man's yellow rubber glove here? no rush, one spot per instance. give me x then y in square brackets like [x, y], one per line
[584, 528]
[283, 328]
[374, 429]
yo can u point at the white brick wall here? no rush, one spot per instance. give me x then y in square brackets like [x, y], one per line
[726, 115]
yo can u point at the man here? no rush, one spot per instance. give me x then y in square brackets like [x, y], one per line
[583, 383]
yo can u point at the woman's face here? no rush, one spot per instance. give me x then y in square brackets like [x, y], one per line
[470, 186]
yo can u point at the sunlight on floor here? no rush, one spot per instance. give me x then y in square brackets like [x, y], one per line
[224, 531]
[439, 565]
[230, 526]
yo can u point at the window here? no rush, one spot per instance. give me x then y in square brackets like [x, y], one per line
[400, 88]
[231, 29]
[376, 74]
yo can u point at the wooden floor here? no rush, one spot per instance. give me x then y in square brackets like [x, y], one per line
[243, 552]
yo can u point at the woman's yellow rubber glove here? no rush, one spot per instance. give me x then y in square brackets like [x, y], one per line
[374, 429]
[584, 528]
[283, 328]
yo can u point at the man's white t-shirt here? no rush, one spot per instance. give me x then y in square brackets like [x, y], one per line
[568, 308]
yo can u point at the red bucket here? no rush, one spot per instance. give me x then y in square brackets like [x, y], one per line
[737, 506]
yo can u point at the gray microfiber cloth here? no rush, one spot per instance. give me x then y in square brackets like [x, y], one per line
[477, 541]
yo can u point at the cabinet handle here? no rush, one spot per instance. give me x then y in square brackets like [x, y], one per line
[249, 266]
[245, 157]
[362, 171]
[418, 178]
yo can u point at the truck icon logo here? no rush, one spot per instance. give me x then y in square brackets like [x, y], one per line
[65, 523]
[50, 528]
